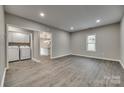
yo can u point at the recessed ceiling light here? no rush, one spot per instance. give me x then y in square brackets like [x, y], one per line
[98, 20]
[42, 14]
[72, 28]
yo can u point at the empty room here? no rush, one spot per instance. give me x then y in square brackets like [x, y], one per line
[62, 45]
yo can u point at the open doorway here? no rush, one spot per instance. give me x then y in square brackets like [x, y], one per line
[23, 44]
[45, 44]
[19, 44]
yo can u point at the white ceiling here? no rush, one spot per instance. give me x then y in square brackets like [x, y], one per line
[63, 17]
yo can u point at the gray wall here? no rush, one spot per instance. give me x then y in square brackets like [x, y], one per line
[108, 39]
[122, 41]
[2, 43]
[107, 42]
[36, 45]
[60, 43]
[60, 39]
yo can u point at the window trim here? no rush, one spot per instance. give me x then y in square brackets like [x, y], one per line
[90, 43]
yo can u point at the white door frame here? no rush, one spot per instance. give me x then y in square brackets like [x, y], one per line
[50, 45]
[6, 46]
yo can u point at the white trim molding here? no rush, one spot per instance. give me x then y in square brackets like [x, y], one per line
[121, 62]
[60, 56]
[36, 60]
[3, 78]
[102, 58]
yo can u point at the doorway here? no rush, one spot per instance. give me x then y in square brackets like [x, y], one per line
[45, 44]
[19, 44]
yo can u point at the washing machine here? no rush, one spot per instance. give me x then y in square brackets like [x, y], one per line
[13, 53]
[25, 52]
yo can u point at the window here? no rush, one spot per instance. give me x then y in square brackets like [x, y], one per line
[91, 43]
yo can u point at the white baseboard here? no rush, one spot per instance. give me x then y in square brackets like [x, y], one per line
[121, 62]
[3, 78]
[109, 59]
[60, 56]
[36, 60]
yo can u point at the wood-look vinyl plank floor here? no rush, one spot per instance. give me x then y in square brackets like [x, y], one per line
[70, 71]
